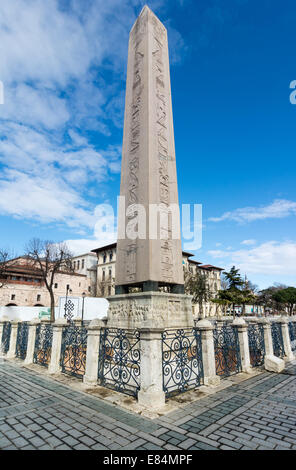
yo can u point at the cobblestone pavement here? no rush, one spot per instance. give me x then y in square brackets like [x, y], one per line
[39, 413]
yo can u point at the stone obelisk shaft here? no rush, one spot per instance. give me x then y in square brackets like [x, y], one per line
[148, 173]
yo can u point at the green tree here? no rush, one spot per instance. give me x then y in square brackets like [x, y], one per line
[197, 286]
[286, 297]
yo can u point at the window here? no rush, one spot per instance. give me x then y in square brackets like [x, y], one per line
[78, 264]
[109, 290]
[82, 264]
[74, 265]
[111, 257]
[104, 259]
[103, 277]
[38, 297]
[13, 297]
[110, 273]
[89, 288]
[56, 286]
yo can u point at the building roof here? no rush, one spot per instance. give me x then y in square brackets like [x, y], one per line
[90, 253]
[209, 266]
[104, 248]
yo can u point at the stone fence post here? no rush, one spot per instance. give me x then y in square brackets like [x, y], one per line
[11, 354]
[151, 394]
[208, 352]
[31, 341]
[54, 365]
[286, 338]
[271, 362]
[90, 377]
[242, 330]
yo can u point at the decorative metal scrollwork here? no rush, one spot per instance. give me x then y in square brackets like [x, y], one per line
[22, 340]
[227, 351]
[5, 341]
[73, 351]
[256, 344]
[292, 333]
[120, 360]
[181, 360]
[277, 339]
[69, 310]
[43, 344]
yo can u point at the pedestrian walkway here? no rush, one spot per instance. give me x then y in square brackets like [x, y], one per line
[37, 412]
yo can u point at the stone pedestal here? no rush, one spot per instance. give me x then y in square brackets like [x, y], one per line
[92, 353]
[54, 365]
[31, 341]
[271, 362]
[242, 330]
[150, 309]
[208, 352]
[151, 394]
[286, 339]
[11, 354]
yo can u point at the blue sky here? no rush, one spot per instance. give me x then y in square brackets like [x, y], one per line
[63, 66]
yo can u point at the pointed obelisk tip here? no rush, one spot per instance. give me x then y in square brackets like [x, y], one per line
[145, 7]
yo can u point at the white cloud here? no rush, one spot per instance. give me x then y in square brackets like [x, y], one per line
[278, 209]
[53, 58]
[249, 242]
[270, 258]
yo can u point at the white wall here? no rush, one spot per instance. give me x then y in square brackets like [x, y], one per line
[93, 308]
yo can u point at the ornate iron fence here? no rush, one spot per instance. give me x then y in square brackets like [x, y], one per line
[43, 344]
[277, 339]
[292, 333]
[181, 360]
[73, 350]
[256, 344]
[22, 340]
[120, 360]
[5, 340]
[227, 351]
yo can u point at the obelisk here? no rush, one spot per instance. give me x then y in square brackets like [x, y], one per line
[146, 259]
[148, 174]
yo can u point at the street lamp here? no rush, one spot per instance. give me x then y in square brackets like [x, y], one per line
[83, 297]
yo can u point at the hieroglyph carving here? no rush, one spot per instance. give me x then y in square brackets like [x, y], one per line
[161, 92]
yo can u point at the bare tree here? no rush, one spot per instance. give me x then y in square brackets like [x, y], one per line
[6, 261]
[49, 258]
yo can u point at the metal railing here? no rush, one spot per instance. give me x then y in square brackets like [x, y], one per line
[181, 360]
[43, 344]
[73, 350]
[22, 340]
[256, 344]
[227, 350]
[119, 365]
[5, 340]
[277, 339]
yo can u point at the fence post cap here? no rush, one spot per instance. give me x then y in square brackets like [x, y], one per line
[96, 323]
[15, 321]
[204, 324]
[4, 319]
[263, 321]
[283, 320]
[35, 321]
[239, 322]
[61, 322]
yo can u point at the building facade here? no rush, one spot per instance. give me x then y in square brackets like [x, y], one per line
[24, 286]
[86, 265]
